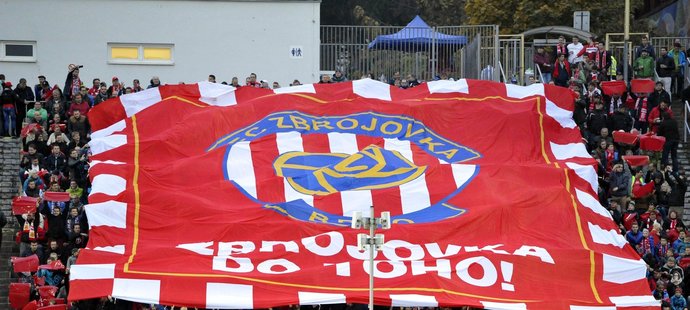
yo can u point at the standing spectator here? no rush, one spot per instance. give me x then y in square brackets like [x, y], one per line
[543, 60]
[115, 90]
[155, 82]
[276, 85]
[669, 130]
[211, 78]
[644, 66]
[338, 77]
[101, 96]
[85, 94]
[560, 48]
[38, 88]
[574, 50]
[666, 68]
[590, 49]
[9, 99]
[602, 60]
[673, 226]
[621, 119]
[32, 230]
[56, 99]
[634, 236]
[252, 82]
[641, 111]
[597, 118]
[655, 115]
[645, 46]
[72, 82]
[679, 59]
[561, 71]
[136, 86]
[95, 87]
[24, 94]
[658, 95]
[235, 82]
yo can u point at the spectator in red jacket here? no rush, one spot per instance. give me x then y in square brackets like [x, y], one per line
[79, 103]
[654, 117]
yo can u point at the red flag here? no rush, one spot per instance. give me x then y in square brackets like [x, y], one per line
[636, 160]
[39, 281]
[641, 191]
[23, 204]
[33, 305]
[56, 196]
[652, 143]
[614, 87]
[29, 128]
[625, 137]
[642, 86]
[47, 292]
[56, 265]
[54, 307]
[285, 171]
[25, 264]
[19, 294]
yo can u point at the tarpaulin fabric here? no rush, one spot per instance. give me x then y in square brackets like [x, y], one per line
[642, 190]
[23, 204]
[56, 265]
[19, 294]
[625, 137]
[207, 196]
[636, 160]
[642, 86]
[47, 292]
[56, 196]
[25, 264]
[613, 87]
[652, 143]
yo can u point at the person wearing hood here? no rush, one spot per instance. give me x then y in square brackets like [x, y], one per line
[338, 77]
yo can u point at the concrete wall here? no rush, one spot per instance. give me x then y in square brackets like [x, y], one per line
[225, 38]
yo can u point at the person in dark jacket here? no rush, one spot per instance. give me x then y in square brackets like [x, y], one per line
[56, 161]
[24, 94]
[38, 88]
[669, 130]
[657, 96]
[543, 60]
[621, 119]
[597, 118]
[561, 71]
[72, 82]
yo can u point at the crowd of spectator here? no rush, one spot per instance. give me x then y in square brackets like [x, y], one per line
[53, 125]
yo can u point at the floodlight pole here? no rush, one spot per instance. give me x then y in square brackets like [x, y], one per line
[372, 241]
[372, 249]
[626, 38]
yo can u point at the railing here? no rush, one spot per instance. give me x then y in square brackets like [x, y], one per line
[541, 77]
[686, 108]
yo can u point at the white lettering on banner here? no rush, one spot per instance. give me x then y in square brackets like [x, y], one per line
[488, 278]
[335, 244]
[267, 266]
[401, 257]
[442, 268]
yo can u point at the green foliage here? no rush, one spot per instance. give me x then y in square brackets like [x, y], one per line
[516, 16]
[392, 12]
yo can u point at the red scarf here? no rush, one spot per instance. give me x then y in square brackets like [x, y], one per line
[645, 246]
[609, 160]
[641, 107]
[601, 60]
[661, 252]
[673, 224]
[561, 49]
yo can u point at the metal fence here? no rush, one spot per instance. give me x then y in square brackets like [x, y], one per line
[346, 48]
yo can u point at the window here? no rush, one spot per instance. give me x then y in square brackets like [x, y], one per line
[18, 51]
[140, 54]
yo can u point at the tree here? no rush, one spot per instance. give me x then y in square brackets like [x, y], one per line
[392, 12]
[517, 16]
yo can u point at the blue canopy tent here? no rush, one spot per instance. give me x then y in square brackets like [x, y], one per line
[416, 36]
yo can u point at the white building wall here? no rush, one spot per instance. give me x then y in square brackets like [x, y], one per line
[225, 38]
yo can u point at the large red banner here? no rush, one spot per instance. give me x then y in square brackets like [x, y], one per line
[212, 197]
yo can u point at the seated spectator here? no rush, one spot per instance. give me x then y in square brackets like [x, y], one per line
[74, 190]
[57, 131]
[56, 161]
[56, 99]
[634, 236]
[326, 79]
[55, 249]
[32, 190]
[75, 141]
[38, 107]
[52, 277]
[78, 104]
[79, 123]
[679, 244]
[77, 238]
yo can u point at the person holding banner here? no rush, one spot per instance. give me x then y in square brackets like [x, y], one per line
[668, 128]
[641, 112]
